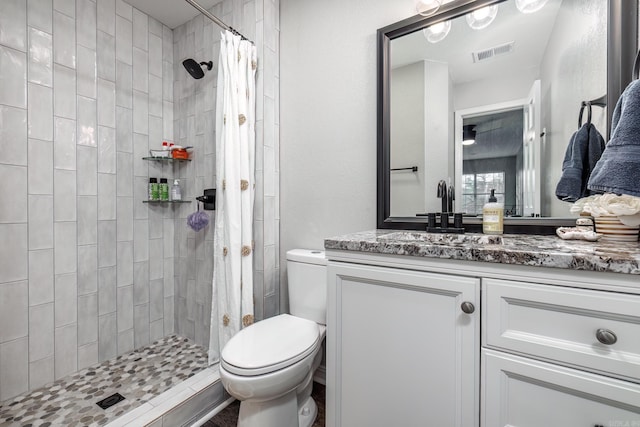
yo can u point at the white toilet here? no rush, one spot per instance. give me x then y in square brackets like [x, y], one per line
[269, 365]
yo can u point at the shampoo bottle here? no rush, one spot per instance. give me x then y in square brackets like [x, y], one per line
[164, 189]
[492, 216]
[154, 189]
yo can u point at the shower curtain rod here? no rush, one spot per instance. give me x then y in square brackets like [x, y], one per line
[215, 19]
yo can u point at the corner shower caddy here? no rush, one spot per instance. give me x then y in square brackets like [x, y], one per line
[165, 160]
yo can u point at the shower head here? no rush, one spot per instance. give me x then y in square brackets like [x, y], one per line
[195, 69]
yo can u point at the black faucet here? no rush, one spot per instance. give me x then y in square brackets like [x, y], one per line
[442, 194]
[448, 196]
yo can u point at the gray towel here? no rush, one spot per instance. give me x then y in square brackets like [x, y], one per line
[583, 152]
[618, 171]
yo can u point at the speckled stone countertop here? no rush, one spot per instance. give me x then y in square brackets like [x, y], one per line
[519, 249]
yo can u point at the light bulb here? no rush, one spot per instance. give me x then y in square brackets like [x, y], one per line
[482, 18]
[437, 32]
[530, 6]
[428, 7]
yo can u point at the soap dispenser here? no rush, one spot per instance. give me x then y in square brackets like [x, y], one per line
[492, 216]
[176, 193]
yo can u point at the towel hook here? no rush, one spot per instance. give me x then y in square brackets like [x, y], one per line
[636, 66]
[599, 102]
[584, 104]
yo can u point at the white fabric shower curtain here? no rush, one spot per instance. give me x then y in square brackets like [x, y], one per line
[232, 294]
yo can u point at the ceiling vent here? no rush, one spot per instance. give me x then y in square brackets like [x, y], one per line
[483, 55]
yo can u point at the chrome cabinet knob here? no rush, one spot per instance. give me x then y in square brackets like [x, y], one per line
[467, 307]
[605, 336]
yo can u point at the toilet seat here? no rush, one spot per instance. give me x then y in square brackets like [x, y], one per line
[270, 345]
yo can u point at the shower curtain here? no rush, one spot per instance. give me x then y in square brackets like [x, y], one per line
[232, 293]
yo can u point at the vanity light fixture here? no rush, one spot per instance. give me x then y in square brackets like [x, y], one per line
[468, 135]
[428, 7]
[530, 6]
[437, 32]
[482, 18]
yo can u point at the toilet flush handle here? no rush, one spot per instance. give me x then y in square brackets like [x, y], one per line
[467, 307]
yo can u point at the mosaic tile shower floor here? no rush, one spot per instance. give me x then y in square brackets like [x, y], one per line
[139, 376]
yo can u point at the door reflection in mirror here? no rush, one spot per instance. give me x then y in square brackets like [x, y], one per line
[504, 157]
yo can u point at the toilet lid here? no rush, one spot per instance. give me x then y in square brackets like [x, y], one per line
[270, 345]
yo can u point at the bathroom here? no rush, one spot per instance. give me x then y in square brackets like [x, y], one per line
[90, 272]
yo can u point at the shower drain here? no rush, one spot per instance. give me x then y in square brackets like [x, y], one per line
[109, 401]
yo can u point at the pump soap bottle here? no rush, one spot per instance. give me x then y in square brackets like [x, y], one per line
[492, 216]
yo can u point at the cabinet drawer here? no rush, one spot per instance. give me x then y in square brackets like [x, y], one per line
[565, 325]
[528, 393]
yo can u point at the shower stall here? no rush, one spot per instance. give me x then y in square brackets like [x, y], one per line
[91, 277]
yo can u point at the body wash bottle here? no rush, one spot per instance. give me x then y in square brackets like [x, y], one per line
[492, 216]
[176, 193]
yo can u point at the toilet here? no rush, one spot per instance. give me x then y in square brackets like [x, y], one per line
[269, 365]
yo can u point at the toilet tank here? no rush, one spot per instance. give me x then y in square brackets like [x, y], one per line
[307, 284]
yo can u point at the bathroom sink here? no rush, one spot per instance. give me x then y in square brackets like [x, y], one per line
[442, 239]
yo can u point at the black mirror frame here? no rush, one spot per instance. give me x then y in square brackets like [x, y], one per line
[622, 45]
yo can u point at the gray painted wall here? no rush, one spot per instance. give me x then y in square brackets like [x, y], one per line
[328, 117]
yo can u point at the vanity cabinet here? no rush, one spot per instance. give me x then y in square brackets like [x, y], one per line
[541, 347]
[401, 347]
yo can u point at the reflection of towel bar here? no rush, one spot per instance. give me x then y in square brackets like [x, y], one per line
[412, 169]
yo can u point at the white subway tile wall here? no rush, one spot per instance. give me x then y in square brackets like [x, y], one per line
[90, 272]
[67, 275]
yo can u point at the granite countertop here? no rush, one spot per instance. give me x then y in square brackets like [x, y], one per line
[519, 249]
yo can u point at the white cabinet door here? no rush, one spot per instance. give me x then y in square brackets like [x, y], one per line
[400, 349]
[521, 392]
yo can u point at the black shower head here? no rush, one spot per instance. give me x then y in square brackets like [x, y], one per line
[195, 69]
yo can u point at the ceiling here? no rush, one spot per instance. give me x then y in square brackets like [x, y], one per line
[171, 13]
[529, 32]
[498, 134]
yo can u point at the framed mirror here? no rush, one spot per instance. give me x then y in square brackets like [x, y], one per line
[511, 79]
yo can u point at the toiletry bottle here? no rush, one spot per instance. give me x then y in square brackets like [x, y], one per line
[492, 216]
[176, 193]
[164, 189]
[154, 189]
